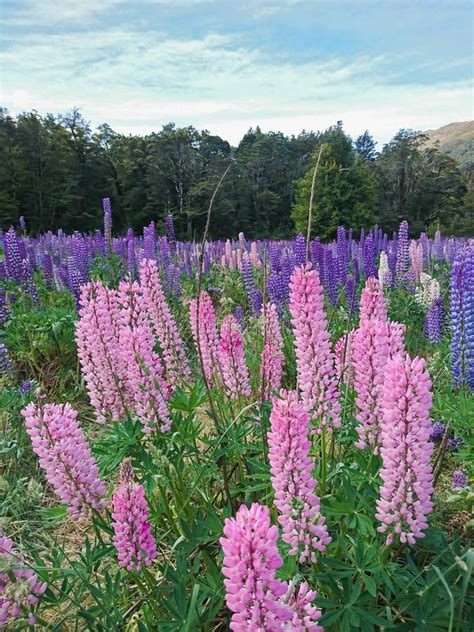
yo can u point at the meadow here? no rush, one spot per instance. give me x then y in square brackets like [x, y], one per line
[268, 435]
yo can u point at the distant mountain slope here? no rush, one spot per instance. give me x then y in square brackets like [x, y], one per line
[457, 140]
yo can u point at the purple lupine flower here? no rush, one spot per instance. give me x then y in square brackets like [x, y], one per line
[274, 257]
[107, 219]
[392, 266]
[356, 270]
[48, 269]
[286, 270]
[22, 223]
[454, 443]
[275, 290]
[131, 255]
[462, 317]
[434, 321]
[437, 251]
[26, 387]
[328, 276]
[149, 241]
[13, 258]
[403, 252]
[254, 295]
[239, 315]
[6, 365]
[437, 431]
[351, 296]
[299, 250]
[4, 307]
[342, 255]
[370, 269]
[459, 479]
[316, 253]
[170, 233]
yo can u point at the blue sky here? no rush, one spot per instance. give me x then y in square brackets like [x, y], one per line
[226, 65]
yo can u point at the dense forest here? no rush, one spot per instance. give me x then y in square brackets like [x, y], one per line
[54, 170]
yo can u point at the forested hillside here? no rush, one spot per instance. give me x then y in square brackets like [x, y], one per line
[54, 171]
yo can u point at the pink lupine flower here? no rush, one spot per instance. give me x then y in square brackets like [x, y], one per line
[164, 325]
[65, 456]
[251, 558]
[396, 338]
[305, 615]
[370, 352]
[20, 587]
[99, 351]
[291, 470]
[204, 329]
[133, 539]
[405, 427]
[315, 359]
[272, 355]
[372, 302]
[235, 372]
[147, 386]
[343, 351]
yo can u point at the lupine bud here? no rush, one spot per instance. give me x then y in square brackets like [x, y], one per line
[65, 456]
[405, 428]
[291, 470]
[133, 539]
[315, 360]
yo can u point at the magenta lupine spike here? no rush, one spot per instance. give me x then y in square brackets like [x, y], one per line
[235, 372]
[133, 539]
[65, 456]
[416, 258]
[370, 351]
[100, 351]
[291, 468]
[204, 329]
[396, 338]
[148, 389]
[131, 303]
[305, 615]
[343, 351]
[315, 359]
[164, 325]
[20, 587]
[271, 365]
[251, 559]
[405, 428]
[372, 302]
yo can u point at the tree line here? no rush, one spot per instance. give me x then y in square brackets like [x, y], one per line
[54, 170]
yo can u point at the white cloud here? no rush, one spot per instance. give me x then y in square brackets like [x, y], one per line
[136, 81]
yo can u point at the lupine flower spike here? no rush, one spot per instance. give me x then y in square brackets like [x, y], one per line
[315, 359]
[65, 456]
[405, 429]
[291, 470]
[235, 372]
[133, 539]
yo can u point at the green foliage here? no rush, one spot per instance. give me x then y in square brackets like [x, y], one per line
[345, 191]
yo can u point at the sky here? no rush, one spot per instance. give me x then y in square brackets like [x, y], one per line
[228, 65]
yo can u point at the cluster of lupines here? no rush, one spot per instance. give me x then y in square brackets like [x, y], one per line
[65, 456]
[116, 347]
[315, 360]
[461, 305]
[257, 599]
[20, 587]
[291, 470]
[132, 530]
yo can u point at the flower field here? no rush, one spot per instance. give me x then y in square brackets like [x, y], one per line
[236, 435]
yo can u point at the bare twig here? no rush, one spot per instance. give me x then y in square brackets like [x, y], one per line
[311, 197]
